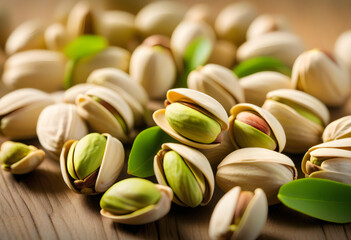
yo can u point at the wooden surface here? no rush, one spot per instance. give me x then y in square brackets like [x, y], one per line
[40, 206]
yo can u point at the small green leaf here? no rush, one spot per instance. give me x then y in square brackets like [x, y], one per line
[320, 198]
[260, 64]
[85, 45]
[145, 147]
[67, 80]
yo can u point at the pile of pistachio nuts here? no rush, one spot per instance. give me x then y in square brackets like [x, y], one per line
[257, 95]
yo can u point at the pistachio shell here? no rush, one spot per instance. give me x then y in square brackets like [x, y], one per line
[342, 48]
[28, 163]
[80, 20]
[252, 168]
[219, 83]
[340, 128]
[223, 53]
[147, 215]
[331, 85]
[28, 35]
[283, 46]
[71, 94]
[56, 37]
[57, 124]
[257, 85]
[109, 170]
[19, 112]
[276, 128]
[193, 158]
[41, 69]
[251, 223]
[201, 12]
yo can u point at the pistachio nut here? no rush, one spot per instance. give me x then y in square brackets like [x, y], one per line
[92, 164]
[117, 27]
[71, 94]
[80, 20]
[283, 46]
[18, 158]
[252, 168]
[257, 85]
[239, 215]
[252, 126]
[153, 67]
[56, 37]
[187, 171]
[19, 112]
[201, 12]
[136, 201]
[223, 53]
[114, 57]
[160, 17]
[192, 118]
[28, 35]
[267, 23]
[57, 124]
[342, 48]
[132, 92]
[217, 82]
[302, 116]
[234, 20]
[340, 128]
[329, 160]
[41, 69]
[106, 112]
[331, 86]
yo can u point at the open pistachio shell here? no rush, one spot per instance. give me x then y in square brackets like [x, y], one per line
[193, 158]
[302, 132]
[276, 130]
[217, 82]
[102, 117]
[146, 215]
[340, 128]
[198, 99]
[19, 112]
[342, 48]
[71, 94]
[80, 20]
[57, 124]
[251, 222]
[109, 170]
[252, 168]
[333, 161]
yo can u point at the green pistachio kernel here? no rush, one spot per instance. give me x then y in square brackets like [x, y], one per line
[184, 183]
[317, 160]
[192, 124]
[130, 195]
[12, 152]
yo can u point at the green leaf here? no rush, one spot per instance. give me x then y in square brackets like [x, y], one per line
[67, 80]
[85, 45]
[145, 147]
[260, 64]
[320, 198]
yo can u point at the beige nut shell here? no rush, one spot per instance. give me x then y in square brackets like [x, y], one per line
[190, 156]
[272, 122]
[340, 128]
[110, 168]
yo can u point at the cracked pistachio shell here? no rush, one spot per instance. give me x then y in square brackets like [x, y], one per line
[57, 124]
[332, 161]
[250, 209]
[233, 21]
[107, 173]
[28, 35]
[56, 37]
[19, 112]
[302, 116]
[71, 94]
[132, 92]
[201, 12]
[223, 53]
[340, 128]
[159, 17]
[217, 82]
[19, 158]
[117, 27]
[283, 46]
[197, 167]
[276, 131]
[342, 48]
[257, 85]
[197, 99]
[154, 68]
[41, 69]
[80, 20]
[139, 201]
[112, 115]
[322, 76]
[110, 57]
[252, 168]
[267, 23]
